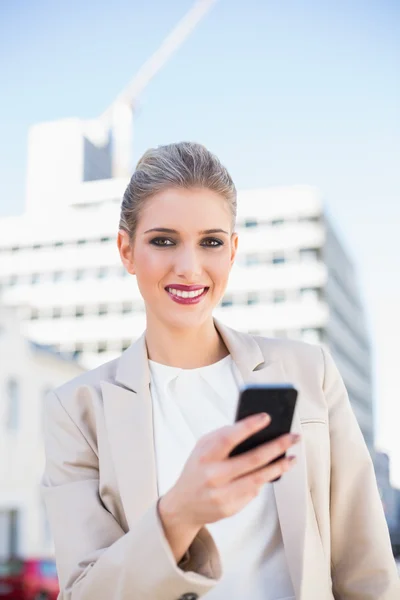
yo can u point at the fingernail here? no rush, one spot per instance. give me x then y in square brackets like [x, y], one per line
[263, 418]
[295, 437]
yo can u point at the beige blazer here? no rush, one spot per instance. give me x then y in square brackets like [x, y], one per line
[100, 485]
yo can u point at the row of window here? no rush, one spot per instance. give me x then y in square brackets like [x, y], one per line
[58, 312]
[246, 223]
[59, 276]
[256, 222]
[279, 258]
[60, 244]
[253, 259]
[275, 296]
[75, 350]
[103, 309]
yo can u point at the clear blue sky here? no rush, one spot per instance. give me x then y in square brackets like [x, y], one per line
[283, 91]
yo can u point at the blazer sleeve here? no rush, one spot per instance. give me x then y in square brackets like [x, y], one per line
[95, 558]
[363, 566]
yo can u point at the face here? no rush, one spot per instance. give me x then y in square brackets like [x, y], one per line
[182, 255]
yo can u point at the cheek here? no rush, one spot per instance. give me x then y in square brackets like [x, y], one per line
[220, 269]
[149, 265]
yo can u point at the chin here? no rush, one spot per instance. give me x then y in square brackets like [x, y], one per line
[188, 321]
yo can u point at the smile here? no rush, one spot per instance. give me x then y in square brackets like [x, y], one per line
[186, 297]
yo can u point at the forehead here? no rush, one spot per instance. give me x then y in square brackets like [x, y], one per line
[178, 208]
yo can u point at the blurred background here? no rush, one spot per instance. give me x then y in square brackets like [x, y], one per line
[300, 100]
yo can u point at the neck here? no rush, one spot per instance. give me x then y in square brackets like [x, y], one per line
[185, 348]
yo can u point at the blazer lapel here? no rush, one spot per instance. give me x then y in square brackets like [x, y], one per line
[291, 490]
[129, 422]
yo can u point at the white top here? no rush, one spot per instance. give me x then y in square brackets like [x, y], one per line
[187, 404]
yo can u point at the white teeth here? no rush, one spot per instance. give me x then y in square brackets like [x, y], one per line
[182, 294]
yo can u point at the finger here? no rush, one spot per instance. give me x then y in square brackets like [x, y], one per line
[273, 471]
[252, 483]
[224, 440]
[257, 458]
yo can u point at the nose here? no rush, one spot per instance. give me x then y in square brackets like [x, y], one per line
[188, 264]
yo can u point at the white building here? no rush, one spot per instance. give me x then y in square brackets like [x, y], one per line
[61, 266]
[27, 373]
[387, 492]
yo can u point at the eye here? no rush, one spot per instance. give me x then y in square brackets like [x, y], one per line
[212, 243]
[160, 241]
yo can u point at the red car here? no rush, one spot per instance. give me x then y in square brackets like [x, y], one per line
[28, 579]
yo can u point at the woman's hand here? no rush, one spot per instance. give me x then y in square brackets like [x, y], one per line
[213, 486]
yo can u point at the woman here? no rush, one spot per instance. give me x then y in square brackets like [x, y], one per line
[143, 501]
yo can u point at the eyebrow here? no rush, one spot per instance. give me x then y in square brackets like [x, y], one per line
[167, 230]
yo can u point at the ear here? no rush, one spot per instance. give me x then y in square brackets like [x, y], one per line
[126, 251]
[234, 247]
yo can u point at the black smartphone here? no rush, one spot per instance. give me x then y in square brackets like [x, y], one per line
[278, 400]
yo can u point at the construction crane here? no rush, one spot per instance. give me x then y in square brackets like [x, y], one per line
[118, 118]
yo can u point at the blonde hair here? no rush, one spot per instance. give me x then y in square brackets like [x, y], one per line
[183, 165]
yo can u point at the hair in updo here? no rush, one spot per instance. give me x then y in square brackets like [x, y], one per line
[182, 165]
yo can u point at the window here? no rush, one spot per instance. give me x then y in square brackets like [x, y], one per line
[79, 311]
[251, 223]
[77, 353]
[35, 278]
[310, 293]
[314, 219]
[57, 276]
[252, 259]
[79, 274]
[37, 246]
[125, 345]
[80, 242]
[48, 569]
[308, 254]
[227, 302]
[279, 296]
[57, 312]
[276, 222]
[15, 249]
[58, 244]
[253, 298]
[103, 309]
[102, 273]
[13, 405]
[278, 259]
[127, 308]
[9, 524]
[102, 347]
[34, 314]
[311, 335]
[105, 239]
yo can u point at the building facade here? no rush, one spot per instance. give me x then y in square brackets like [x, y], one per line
[27, 372]
[292, 278]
